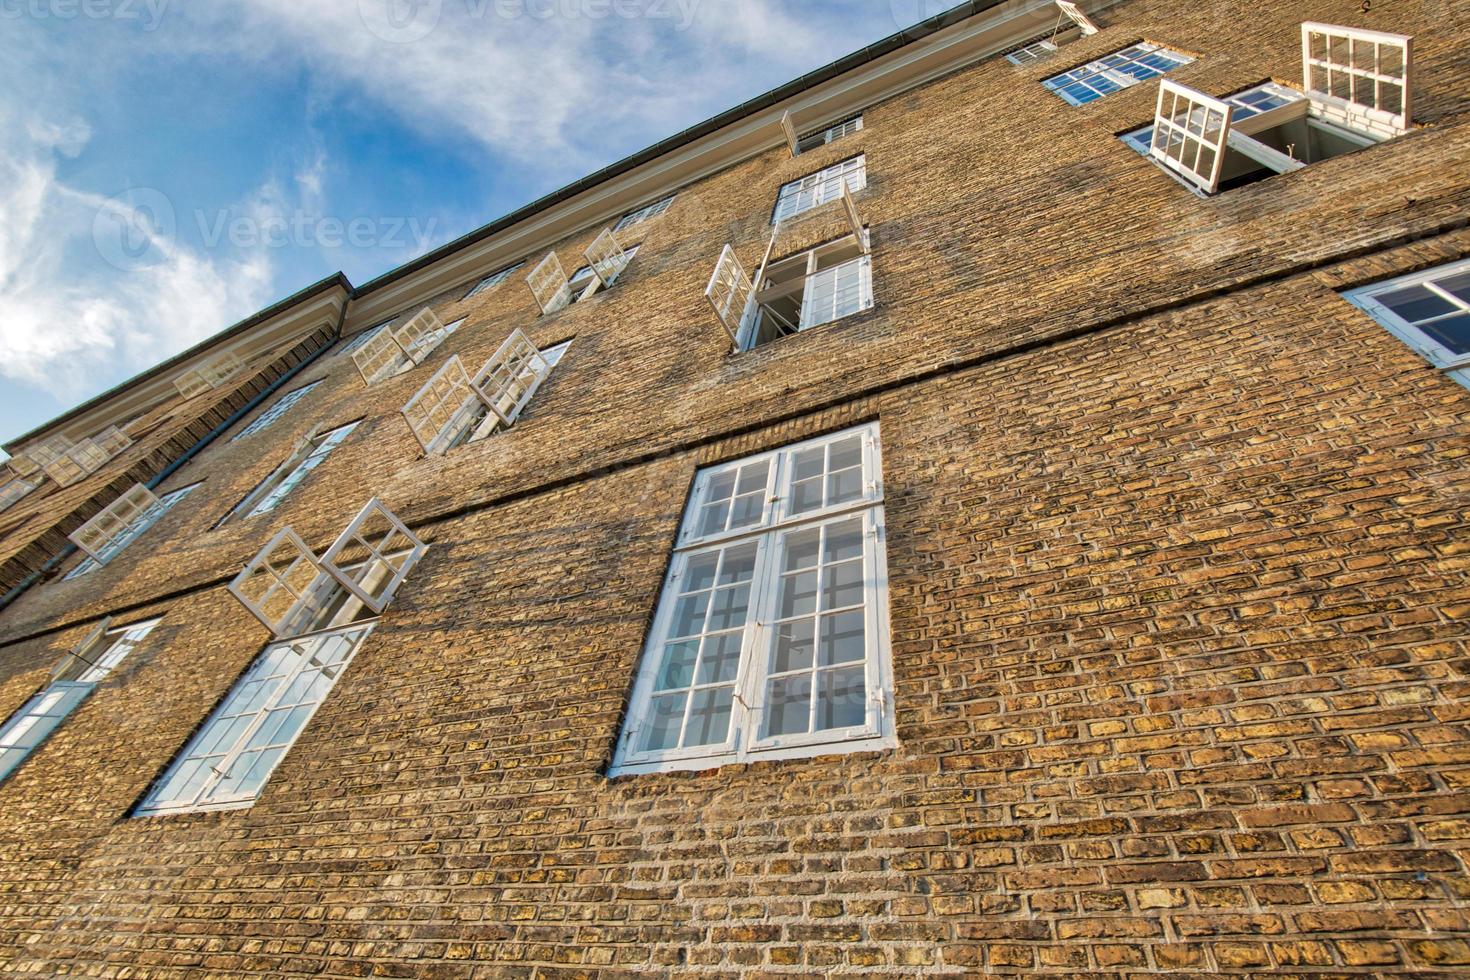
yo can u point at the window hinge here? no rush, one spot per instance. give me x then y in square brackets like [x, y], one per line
[881, 701]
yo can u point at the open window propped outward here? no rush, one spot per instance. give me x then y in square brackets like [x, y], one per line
[1190, 130]
[293, 592]
[454, 407]
[607, 258]
[209, 376]
[548, 282]
[1073, 13]
[1358, 79]
[393, 350]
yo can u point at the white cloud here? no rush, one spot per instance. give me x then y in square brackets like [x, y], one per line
[64, 329]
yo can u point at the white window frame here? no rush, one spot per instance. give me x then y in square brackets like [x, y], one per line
[826, 135]
[1191, 130]
[277, 411]
[308, 651]
[746, 335]
[822, 187]
[494, 279]
[1033, 52]
[122, 522]
[1457, 366]
[14, 490]
[1107, 67]
[1353, 108]
[353, 344]
[1074, 13]
[307, 455]
[92, 660]
[640, 215]
[745, 742]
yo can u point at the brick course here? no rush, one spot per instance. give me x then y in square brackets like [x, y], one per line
[1176, 539]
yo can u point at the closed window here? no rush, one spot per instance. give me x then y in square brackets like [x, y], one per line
[494, 279]
[1115, 72]
[644, 213]
[771, 636]
[121, 523]
[308, 455]
[74, 679]
[821, 187]
[273, 414]
[1429, 311]
[14, 490]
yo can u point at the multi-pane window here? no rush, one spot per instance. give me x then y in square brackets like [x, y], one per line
[821, 187]
[319, 611]
[273, 414]
[311, 453]
[228, 761]
[1115, 72]
[644, 213]
[82, 669]
[494, 279]
[12, 491]
[771, 636]
[454, 408]
[829, 134]
[109, 533]
[583, 277]
[355, 344]
[817, 286]
[1429, 311]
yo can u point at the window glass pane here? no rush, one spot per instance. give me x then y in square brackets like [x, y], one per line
[1416, 303]
[1453, 332]
[842, 701]
[1457, 286]
[789, 705]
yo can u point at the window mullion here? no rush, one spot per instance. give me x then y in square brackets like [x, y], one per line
[219, 772]
[755, 663]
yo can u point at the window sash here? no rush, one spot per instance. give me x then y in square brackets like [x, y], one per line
[1114, 72]
[549, 285]
[824, 186]
[374, 555]
[830, 134]
[97, 656]
[274, 414]
[136, 527]
[765, 537]
[1189, 135]
[1413, 334]
[1036, 51]
[1347, 91]
[836, 292]
[28, 728]
[15, 490]
[276, 487]
[644, 213]
[494, 279]
[233, 755]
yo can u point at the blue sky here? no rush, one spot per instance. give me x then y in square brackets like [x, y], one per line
[168, 169]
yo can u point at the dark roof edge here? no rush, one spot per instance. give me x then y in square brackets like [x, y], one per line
[714, 124]
[336, 279]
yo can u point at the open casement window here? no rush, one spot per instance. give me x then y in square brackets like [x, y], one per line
[771, 636]
[209, 376]
[644, 213]
[819, 188]
[494, 279]
[1271, 131]
[81, 460]
[22, 465]
[121, 523]
[1033, 52]
[830, 133]
[422, 334]
[112, 441]
[814, 287]
[1358, 79]
[97, 536]
[454, 408]
[1429, 311]
[43, 454]
[731, 293]
[548, 282]
[373, 556]
[1074, 13]
[607, 259]
[1190, 130]
[228, 761]
[380, 357]
[293, 592]
[1114, 72]
[15, 489]
[307, 455]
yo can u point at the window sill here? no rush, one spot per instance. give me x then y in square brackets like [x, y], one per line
[872, 744]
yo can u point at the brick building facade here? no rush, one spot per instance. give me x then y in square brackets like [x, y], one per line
[1163, 564]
